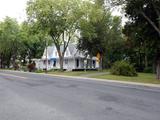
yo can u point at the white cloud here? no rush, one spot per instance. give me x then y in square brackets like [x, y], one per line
[118, 12]
[13, 8]
[16, 9]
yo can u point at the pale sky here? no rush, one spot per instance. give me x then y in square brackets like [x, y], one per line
[13, 8]
[16, 9]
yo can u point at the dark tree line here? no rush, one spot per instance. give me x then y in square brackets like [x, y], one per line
[142, 32]
[18, 43]
[101, 33]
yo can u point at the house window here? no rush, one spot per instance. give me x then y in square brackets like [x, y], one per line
[77, 63]
[66, 61]
[94, 63]
[54, 63]
[49, 62]
[44, 62]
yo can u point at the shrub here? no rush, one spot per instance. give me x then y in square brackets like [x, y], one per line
[123, 68]
[24, 68]
[148, 70]
[31, 67]
[39, 71]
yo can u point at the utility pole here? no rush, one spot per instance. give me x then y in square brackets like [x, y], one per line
[0, 63]
[46, 56]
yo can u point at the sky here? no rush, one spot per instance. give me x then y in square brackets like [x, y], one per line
[16, 9]
[13, 8]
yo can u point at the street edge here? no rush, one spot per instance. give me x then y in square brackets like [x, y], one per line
[94, 79]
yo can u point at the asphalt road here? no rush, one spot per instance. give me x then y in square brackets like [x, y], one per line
[25, 96]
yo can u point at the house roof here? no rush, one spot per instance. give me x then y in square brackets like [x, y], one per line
[74, 51]
[72, 48]
[50, 50]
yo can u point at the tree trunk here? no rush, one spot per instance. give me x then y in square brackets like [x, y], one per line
[90, 62]
[0, 61]
[2, 57]
[146, 61]
[158, 71]
[61, 58]
[157, 28]
[100, 62]
[0, 64]
[14, 61]
[61, 62]
[158, 65]
[145, 55]
[24, 61]
[151, 22]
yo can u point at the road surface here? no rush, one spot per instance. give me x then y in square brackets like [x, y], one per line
[25, 96]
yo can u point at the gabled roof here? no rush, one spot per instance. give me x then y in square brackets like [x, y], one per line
[74, 51]
[50, 50]
[72, 48]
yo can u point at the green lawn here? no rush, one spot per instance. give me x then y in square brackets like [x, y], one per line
[73, 73]
[141, 78]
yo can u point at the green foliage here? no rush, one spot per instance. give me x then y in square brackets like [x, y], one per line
[19, 42]
[58, 18]
[9, 31]
[148, 70]
[34, 41]
[100, 32]
[39, 71]
[123, 68]
[9, 41]
[24, 68]
[143, 32]
[55, 17]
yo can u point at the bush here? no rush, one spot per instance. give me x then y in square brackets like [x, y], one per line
[123, 68]
[39, 71]
[31, 67]
[24, 68]
[148, 70]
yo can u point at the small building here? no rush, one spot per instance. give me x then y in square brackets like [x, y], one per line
[73, 59]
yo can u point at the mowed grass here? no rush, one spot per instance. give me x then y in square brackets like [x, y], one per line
[73, 73]
[141, 78]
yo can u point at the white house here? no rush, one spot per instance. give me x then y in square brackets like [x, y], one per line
[73, 59]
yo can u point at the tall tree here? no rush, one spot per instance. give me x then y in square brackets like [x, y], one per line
[99, 30]
[99, 2]
[59, 18]
[10, 42]
[33, 41]
[147, 13]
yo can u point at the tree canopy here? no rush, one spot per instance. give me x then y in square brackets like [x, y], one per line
[9, 39]
[19, 42]
[59, 18]
[99, 31]
[144, 26]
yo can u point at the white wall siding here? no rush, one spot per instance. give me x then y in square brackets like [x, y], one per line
[70, 58]
[70, 65]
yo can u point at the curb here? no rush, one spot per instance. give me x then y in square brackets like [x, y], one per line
[93, 79]
[107, 80]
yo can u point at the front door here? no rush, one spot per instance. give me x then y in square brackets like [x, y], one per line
[77, 63]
